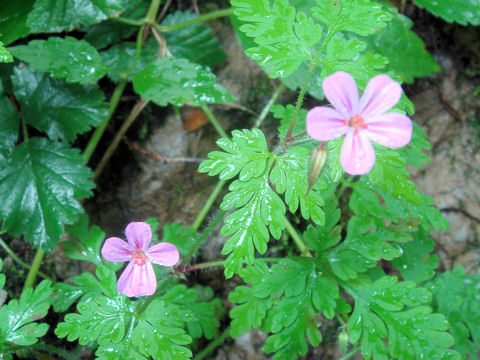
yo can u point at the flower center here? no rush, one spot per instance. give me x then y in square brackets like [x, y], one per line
[138, 257]
[357, 122]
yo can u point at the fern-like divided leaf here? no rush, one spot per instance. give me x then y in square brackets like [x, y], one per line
[391, 322]
[285, 301]
[283, 35]
[456, 296]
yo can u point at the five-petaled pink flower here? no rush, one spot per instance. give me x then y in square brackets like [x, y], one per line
[138, 278]
[360, 120]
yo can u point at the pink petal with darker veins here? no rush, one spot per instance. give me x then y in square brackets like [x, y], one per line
[392, 130]
[116, 250]
[324, 123]
[137, 280]
[164, 254]
[341, 90]
[357, 155]
[380, 95]
[139, 235]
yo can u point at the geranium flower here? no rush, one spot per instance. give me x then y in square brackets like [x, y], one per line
[138, 278]
[360, 120]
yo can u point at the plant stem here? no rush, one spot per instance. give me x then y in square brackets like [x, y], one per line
[97, 135]
[208, 230]
[32, 273]
[137, 109]
[18, 260]
[270, 103]
[200, 19]
[296, 238]
[351, 353]
[152, 12]
[213, 345]
[128, 21]
[208, 204]
[214, 121]
[299, 103]
[221, 263]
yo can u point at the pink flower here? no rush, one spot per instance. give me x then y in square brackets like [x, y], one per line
[138, 278]
[360, 120]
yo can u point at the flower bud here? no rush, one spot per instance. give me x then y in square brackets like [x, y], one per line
[318, 159]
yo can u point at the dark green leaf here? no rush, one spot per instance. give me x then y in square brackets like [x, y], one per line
[177, 81]
[195, 42]
[60, 15]
[61, 110]
[5, 56]
[8, 127]
[17, 318]
[13, 17]
[183, 237]
[38, 187]
[69, 58]
[456, 296]
[461, 11]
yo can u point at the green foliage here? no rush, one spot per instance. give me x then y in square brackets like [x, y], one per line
[63, 111]
[285, 114]
[284, 37]
[361, 17]
[413, 152]
[183, 237]
[60, 15]
[69, 58]
[8, 127]
[18, 318]
[195, 43]
[285, 301]
[246, 155]
[390, 321]
[14, 16]
[461, 11]
[85, 286]
[2, 276]
[177, 81]
[403, 48]
[456, 296]
[39, 184]
[5, 56]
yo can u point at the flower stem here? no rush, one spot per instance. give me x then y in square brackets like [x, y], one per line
[214, 121]
[208, 204]
[270, 103]
[32, 273]
[200, 19]
[221, 263]
[213, 345]
[97, 135]
[137, 109]
[351, 353]
[296, 238]
[19, 261]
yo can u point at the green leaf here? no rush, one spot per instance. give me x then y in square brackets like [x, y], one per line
[64, 111]
[183, 237]
[195, 42]
[284, 37]
[60, 15]
[456, 296]
[417, 263]
[5, 56]
[120, 58]
[38, 187]
[87, 242]
[362, 17]
[177, 81]
[86, 286]
[2, 276]
[403, 48]
[245, 154]
[259, 210]
[290, 177]
[202, 310]
[413, 152]
[14, 16]
[285, 114]
[8, 127]
[69, 58]
[461, 11]
[391, 323]
[18, 318]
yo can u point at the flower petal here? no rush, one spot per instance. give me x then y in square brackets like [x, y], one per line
[164, 254]
[341, 90]
[381, 94]
[137, 280]
[324, 123]
[139, 234]
[116, 250]
[392, 130]
[357, 155]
